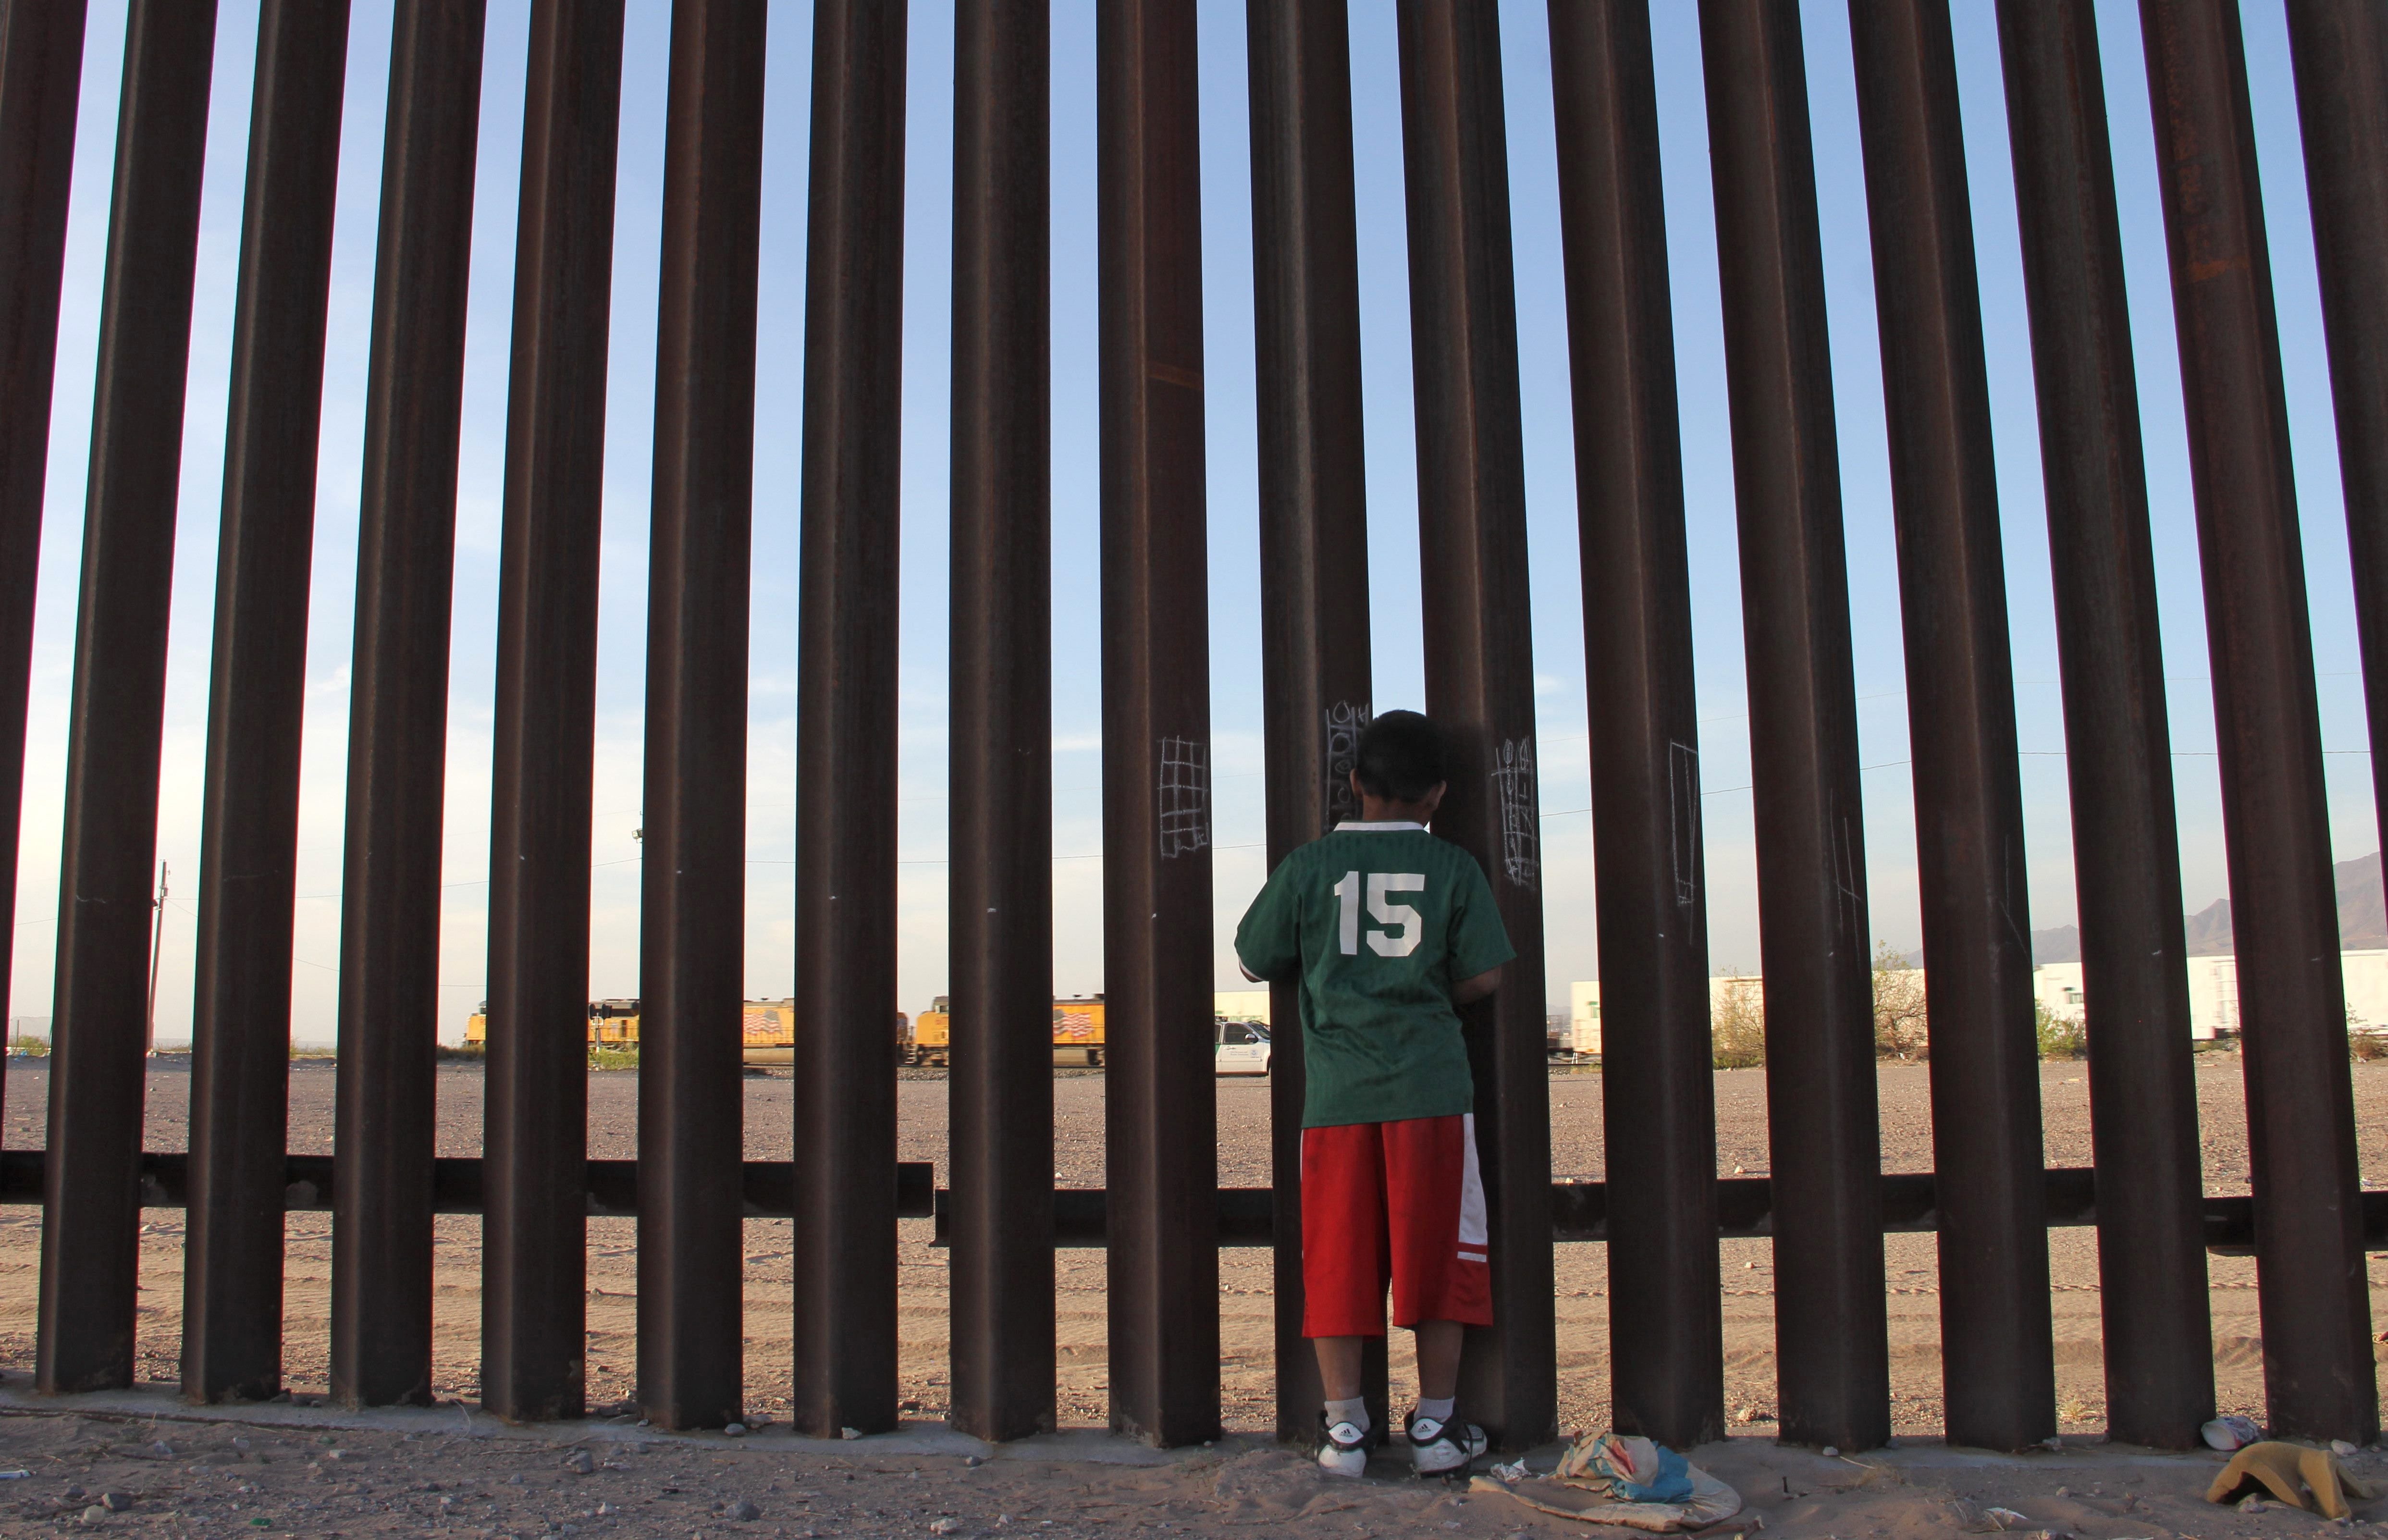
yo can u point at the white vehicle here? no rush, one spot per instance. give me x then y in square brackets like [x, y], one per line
[1243, 1048]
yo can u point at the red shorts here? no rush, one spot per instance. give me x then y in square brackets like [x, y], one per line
[1398, 1202]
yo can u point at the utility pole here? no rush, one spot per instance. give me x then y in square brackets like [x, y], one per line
[157, 945]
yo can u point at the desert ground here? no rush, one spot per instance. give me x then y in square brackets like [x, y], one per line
[1244, 1308]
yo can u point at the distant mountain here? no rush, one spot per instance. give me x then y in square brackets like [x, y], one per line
[2362, 920]
[2209, 930]
[2362, 912]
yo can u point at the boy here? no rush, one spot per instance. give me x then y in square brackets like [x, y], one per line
[1387, 929]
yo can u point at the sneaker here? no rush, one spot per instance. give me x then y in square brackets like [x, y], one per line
[1343, 1448]
[1443, 1448]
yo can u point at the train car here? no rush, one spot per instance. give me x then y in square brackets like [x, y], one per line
[932, 1035]
[1077, 1032]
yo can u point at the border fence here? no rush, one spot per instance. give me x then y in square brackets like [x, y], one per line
[1162, 1219]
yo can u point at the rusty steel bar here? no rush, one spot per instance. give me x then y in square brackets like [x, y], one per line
[1000, 833]
[2315, 1303]
[845, 735]
[2159, 1350]
[535, 1096]
[398, 725]
[1159, 1104]
[1666, 1316]
[240, 1024]
[693, 938]
[2340, 51]
[1314, 656]
[1997, 1339]
[91, 1212]
[1832, 1345]
[41, 77]
[1479, 673]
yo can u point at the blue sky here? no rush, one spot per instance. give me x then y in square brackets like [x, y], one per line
[1557, 631]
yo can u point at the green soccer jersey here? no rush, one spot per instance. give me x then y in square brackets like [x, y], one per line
[1377, 922]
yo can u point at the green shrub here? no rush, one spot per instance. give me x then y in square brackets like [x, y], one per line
[2059, 1039]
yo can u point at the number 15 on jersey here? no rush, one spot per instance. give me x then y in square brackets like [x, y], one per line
[1404, 935]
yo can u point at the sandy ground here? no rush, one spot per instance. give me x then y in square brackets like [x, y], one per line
[143, 1463]
[1244, 1292]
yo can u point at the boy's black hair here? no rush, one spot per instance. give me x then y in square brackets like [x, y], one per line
[1400, 756]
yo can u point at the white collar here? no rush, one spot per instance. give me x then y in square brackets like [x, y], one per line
[1352, 826]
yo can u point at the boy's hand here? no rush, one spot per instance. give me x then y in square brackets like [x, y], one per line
[1469, 990]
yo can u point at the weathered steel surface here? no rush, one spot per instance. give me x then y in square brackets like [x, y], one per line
[1159, 1104]
[91, 1219]
[1665, 1311]
[999, 928]
[846, 734]
[2126, 857]
[1314, 662]
[1480, 673]
[1997, 1349]
[1831, 1339]
[240, 1024]
[2340, 48]
[692, 959]
[534, 1281]
[41, 78]
[2315, 1303]
[389, 910]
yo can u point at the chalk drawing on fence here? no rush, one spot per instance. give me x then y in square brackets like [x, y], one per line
[1344, 723]
[1684, 819]
[1185, 796]
[1521, 838]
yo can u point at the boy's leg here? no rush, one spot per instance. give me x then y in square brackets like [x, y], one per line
[1437, 1225]
[1339, 1365]
[1437, 1359]
[1442, 1280]
[1343, 1268]
[1342, 1235]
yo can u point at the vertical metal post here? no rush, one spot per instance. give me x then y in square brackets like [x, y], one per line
[2315, 1301]
[1666, 1316]
[1000, 911]
[535, 1132]
[1480, 673]
[691, 1100]
[91, 1203]
[2340, 49]
[398, 723]
[1997, 1349]
[845, 735]
[41, 81]
[1160, 1115]
[240, 1026]
[1831, 1340]
[2159, 1349]
[1315, 664]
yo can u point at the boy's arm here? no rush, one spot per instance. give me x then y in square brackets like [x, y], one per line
[1467, 991]
[1479, 943]
[1268, 940]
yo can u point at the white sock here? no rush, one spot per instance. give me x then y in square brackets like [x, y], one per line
[1439, 1410]
[1355, 1411]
